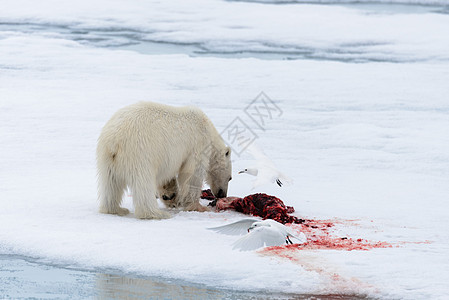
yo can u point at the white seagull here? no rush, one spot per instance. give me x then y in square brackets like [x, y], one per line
[259, 234]
[265, 170]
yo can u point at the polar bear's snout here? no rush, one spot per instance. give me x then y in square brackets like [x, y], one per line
[221, 194]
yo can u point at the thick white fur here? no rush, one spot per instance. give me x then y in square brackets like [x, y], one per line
[145, 145]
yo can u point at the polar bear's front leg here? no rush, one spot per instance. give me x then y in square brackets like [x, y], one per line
[190, 180]
[145, 204]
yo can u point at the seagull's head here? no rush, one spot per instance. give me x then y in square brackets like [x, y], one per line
[250, 171]
[257, 225]
[243, 171]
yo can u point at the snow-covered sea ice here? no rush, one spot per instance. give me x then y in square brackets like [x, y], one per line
[363, 135]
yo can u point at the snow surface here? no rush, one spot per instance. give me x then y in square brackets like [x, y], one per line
[362, 141]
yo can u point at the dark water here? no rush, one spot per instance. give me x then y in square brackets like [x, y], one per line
[26, 278]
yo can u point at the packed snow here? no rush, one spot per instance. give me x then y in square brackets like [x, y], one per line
[363, 134]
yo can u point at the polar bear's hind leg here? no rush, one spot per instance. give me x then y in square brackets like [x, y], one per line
[168, 193]
[111, 191]
[145, 203]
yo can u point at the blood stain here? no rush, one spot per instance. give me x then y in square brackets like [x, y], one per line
[321, 238]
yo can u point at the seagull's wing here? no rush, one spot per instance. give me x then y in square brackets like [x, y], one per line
[299, 239]
[263, 177]
[267, 171]
[236, 228]
[260, 237]
[284, 179]
[285, 230]
[260, 157]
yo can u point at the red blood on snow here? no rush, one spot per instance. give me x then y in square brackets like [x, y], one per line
[320, 237]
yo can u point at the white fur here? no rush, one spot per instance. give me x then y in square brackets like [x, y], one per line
[145, 145]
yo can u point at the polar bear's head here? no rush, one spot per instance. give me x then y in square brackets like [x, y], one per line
[220, 171]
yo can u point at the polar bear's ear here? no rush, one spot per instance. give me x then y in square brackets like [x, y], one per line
[228, 151]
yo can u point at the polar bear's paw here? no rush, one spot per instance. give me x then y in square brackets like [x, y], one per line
[117, 211]
[122, 211]
[157, 215]
[196, 207]
[170, 203]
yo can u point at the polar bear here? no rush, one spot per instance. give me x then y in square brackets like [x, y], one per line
[147, 145]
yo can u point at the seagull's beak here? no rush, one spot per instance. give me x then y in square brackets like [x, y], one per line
[241, 172]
